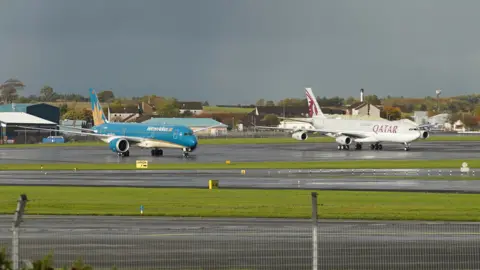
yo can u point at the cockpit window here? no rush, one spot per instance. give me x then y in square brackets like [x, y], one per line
[188, 133]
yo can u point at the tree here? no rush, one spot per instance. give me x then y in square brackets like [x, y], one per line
[9, 93]
[270, 103]
[63, 109]
[260, 102]
[106, 96]
[467, 119]
[271, 120]
[73, 115]
[392, 113]
[168, 108]
[373, 99]
[47, 93]
[187, 113]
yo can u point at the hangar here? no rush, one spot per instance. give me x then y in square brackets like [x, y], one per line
[42, 110]
[193, 123]
[11, 132]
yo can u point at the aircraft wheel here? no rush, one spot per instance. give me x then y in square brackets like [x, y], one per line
[380, 147]
[339, 147]
[372, 146]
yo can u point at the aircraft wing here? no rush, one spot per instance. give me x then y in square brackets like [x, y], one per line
[109, 137]
[76, 128]
[315, 130]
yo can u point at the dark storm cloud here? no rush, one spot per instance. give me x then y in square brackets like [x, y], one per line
[240, 51]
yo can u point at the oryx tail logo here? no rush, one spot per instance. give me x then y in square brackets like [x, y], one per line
[312, 108]
[97, 111]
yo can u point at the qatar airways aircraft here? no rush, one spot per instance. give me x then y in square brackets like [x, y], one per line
[348, 131]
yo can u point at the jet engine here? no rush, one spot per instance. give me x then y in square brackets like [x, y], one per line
[344, 140]
[300, 136]
[119, 145]
[425, 134]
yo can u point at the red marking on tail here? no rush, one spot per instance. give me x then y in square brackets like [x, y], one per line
[312, 109]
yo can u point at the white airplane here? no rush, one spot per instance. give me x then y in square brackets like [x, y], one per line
[348, 131]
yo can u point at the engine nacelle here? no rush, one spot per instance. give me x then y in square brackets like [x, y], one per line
[344, 140]
[119, 145]
[425, 134]
[300, 136]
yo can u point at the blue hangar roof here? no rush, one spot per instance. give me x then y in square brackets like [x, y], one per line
[189, 122]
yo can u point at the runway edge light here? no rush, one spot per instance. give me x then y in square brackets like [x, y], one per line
[141, 210]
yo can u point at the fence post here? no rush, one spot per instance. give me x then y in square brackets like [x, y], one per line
[17, 219]
[314, 232]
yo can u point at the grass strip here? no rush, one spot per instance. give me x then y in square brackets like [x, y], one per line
[242, 203]
[347, 164]
[226, 141]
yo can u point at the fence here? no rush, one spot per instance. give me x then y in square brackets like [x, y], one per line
[150, 243]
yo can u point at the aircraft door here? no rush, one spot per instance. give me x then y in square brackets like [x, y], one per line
[175, 133]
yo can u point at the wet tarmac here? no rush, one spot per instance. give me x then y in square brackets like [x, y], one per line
[366, 180]
[246, 152]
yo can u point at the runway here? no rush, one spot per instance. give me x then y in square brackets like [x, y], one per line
[193, 243]
[371, 180]
[246, 152]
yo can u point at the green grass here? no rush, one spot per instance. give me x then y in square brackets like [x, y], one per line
[242, 203]
[348, 164]
[215, 109]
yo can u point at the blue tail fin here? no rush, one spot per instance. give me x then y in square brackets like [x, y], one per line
[97, 111]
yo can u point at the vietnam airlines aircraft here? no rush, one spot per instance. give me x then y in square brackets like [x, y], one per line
[348, 131]
[120, 136]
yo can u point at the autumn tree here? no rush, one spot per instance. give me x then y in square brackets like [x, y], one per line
[391, 113]
[469, 120]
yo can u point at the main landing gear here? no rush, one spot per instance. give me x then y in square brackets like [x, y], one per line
[358, 146]
[157, 152]
[407, 147]
[376, 146]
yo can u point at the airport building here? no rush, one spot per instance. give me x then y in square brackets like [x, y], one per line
[193, 123]
[42, 110]
[10, 131]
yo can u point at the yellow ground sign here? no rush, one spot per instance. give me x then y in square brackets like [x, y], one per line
[142, 164]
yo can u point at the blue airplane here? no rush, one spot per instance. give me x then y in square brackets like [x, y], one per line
[120, 136]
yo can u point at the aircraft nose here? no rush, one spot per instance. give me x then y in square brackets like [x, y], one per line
[193, 144]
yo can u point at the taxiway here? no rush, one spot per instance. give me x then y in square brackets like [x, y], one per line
[245, 152]
[226, 243]
[371, 180]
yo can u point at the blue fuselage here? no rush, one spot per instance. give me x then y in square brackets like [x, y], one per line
[176, 135]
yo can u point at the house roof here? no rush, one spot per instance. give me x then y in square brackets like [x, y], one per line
[190, 122]
[358, 105]
[190, 105]
[22, 118]
[124, 109]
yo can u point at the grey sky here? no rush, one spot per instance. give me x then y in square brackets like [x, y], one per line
[239, 51]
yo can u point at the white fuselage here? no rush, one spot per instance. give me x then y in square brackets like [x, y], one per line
[370, 131]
